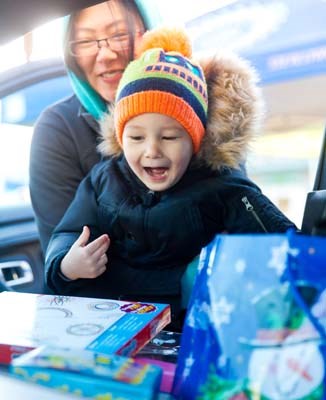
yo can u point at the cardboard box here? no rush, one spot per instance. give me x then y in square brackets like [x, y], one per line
[105, 326]
[89, 374]
[168, 371]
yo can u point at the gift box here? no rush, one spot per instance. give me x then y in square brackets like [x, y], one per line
[256, 323]
[101, 325]
[89, 374]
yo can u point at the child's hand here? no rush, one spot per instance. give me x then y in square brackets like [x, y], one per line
[86, 260]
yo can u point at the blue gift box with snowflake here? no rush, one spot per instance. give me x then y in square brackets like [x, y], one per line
[255, 327]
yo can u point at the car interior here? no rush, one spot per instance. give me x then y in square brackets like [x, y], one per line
[314, 217]
[23, 84]
[21, 259]
[17, 18]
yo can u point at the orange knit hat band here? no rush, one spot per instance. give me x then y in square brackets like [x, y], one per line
[155, 101]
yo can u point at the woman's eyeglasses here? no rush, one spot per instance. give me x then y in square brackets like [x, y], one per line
[117, 42]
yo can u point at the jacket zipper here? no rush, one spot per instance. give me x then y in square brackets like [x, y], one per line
[149, 197]
[250, 208]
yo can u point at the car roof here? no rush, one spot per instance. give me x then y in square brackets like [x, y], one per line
[18, 17]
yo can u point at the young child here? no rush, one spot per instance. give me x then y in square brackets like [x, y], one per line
[172, 182]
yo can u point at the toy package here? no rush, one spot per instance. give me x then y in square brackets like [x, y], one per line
[255, 327]
[102, 325]
[162, 351]
[89, 374]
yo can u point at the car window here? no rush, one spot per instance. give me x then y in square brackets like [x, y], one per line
[18, 113]
[24, 106]
[284, 165]
[15, 142]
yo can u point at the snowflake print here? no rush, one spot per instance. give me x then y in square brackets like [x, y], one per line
[222, 311]
[188, 364]
[278, 260]
[240, 266]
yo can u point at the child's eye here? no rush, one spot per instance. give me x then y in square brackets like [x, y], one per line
[136, 138]
[170, 137]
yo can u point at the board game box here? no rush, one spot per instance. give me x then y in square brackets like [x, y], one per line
[90, 374]
[101, 325]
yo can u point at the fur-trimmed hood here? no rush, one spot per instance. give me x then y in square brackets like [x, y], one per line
[235, 111]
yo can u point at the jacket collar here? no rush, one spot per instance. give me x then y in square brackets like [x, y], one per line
[138, 186]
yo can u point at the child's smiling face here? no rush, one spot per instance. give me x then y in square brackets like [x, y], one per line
[158, 149]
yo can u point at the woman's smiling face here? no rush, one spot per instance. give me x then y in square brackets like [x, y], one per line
[104, 69]
[158, 149]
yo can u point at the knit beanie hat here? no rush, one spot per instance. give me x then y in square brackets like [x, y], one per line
[163, 79]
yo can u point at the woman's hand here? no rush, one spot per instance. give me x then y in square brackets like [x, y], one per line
[86, 260]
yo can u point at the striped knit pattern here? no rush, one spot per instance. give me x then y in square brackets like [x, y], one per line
[165, 83]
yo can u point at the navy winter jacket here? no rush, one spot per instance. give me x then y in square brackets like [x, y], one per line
[154, 235]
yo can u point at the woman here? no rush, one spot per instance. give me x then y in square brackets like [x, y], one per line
[99, 43]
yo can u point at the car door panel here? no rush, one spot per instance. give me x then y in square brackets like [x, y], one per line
[33, 86]
[21, 259]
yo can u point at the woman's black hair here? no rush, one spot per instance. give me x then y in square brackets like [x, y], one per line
[130, 9]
